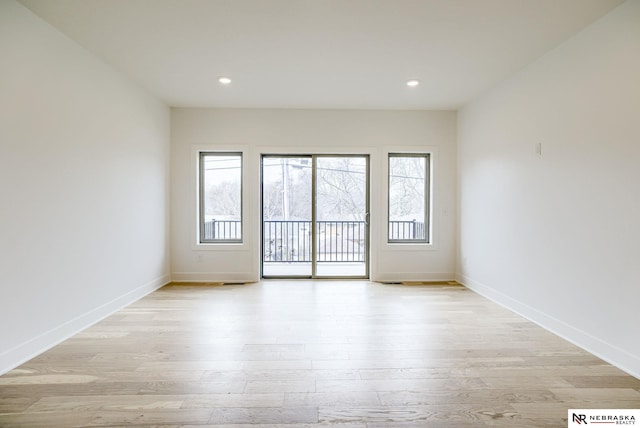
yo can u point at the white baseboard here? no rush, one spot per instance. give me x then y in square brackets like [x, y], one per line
[212, 277]
[413, 276]
[610, 353]
[31, 348]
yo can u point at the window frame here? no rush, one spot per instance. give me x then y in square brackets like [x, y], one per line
[427, 197]
[202, 154]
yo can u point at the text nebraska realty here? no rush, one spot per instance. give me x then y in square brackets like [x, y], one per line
[605, 419]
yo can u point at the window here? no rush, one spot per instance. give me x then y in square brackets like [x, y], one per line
[408, 198]
[220, 197]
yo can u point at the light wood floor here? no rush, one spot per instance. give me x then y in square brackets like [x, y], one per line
[309, 354]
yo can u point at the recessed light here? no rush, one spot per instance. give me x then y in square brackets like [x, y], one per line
[224, 80]
[413, 83]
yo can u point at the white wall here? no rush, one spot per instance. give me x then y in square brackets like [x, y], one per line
[84, 179]
[310, 131]
[556, 237]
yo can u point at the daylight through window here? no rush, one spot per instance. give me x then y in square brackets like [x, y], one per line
[220, 197]
[408, 198]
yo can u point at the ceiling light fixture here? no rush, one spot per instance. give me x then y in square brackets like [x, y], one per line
[413, 83]
[224, 80]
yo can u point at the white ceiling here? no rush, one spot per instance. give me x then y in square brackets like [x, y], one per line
[319, 53]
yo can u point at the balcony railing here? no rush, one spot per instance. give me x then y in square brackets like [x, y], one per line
[338, 241]
[222, 230]
[406, 230]
[290, 241]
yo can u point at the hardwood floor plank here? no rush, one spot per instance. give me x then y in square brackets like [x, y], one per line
[159, 366]
[97, 388]
[411, 373]
[431, 424]
[332, 399]
[466, 396]
[46, 420]
[274, 347]
[259, 386]
[73, 366]
[277, 365]
[424, 414]
[549, 381]
[234, 400]
[266, 425]
[611, 381]
[398, 384]
[566, 372]
[107, 402]
[178, 387]
[598, 394]
[274, 415]
[46, 379]
[10, 404]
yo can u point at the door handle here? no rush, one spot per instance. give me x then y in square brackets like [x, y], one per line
[366, 219]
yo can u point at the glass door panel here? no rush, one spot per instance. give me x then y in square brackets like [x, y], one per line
[341, 205]
[286, 216]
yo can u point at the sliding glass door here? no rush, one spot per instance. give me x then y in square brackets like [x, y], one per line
[315, 216]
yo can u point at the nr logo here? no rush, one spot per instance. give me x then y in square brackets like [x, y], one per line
[580, 419]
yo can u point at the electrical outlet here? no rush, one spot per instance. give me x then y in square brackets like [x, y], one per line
[199, 258]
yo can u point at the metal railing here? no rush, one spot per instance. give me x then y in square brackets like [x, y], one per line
[406, 230]
[223, 230]
[338, 241]
[290, 241]
[286, 241]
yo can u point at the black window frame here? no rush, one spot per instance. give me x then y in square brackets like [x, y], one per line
[202, 239]
[427, 200]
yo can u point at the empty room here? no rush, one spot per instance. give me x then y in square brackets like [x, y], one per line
[300, 213]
